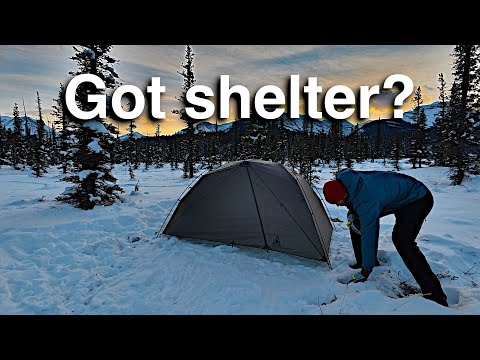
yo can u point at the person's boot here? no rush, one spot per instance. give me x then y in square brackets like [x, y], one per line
[359, 266]
[438, 298]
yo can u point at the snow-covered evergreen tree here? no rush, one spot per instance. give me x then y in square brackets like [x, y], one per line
[450, 127]
[174, 152]
[378, 140]
[131, 154]
[235, 146]
[397, 152]
[27, 145]
[362, 147]
[93, 183]
[354, 140]
[3, 144]
[147, 154]
[17, 149]
[158, 149]
[422, 149]
[306, 150]
[282, 143]
[27, 140]
[441, 125]
[53, 149]
[415, 144]
[463, 113]
[66, 130]
[188, 81]
[9, 146]
[215, 158]
[349, 148]
[40, 155]
[336, 140]
[113, 149]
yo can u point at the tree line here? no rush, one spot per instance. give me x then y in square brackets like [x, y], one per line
[87, 151]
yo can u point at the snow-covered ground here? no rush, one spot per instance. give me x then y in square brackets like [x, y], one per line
[55, 259]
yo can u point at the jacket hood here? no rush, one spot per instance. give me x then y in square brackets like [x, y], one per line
[350, 178]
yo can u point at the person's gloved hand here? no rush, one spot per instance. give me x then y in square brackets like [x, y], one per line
[359, 277]
[353, 222]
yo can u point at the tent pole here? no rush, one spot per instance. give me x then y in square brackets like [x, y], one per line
[258, 210]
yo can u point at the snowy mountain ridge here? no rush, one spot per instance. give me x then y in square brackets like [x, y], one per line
[431, 111]
[136, 135]
[7, 122]
[294, 125]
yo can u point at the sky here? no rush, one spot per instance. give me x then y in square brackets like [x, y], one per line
[26, 69]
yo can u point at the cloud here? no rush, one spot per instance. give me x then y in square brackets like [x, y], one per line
[26, 69]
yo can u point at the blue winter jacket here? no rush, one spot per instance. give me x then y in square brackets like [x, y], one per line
[373, 194]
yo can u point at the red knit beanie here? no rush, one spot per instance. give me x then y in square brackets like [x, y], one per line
[334, 191]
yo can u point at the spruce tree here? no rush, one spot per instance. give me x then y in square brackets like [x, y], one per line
[450, 127]
[307, 151]
[354, 140]
[93, 183]
[158, 148]
[336, 142]
[283, 141]
[235, 144]
[52, 147]
[66, 129]
[464, 113]
[27, 145]
[176, 154]
[131, 156]
[396, 152]
[321, 144]
[349, 148]
[440, 147]
[9, 146]
[3, 144]
[422, 149]
[147, 154]
[113, 149]
[40, 156]
[378, 139]
[17, 149]
[216, 158]
[416, 142]
[188, 81]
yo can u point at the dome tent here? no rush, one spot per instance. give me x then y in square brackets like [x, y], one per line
[254, 203]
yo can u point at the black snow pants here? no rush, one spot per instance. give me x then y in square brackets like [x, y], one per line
[409, 220]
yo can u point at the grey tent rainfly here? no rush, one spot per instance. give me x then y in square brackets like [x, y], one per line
[254, 203]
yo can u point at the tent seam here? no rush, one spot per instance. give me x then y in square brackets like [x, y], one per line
[314, 220]
[296, 223]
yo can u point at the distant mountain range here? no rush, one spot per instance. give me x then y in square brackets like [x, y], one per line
[293, 125]
[388, 126]
[136, 135]
[431, 111]
[7, 122]
[366, 128]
